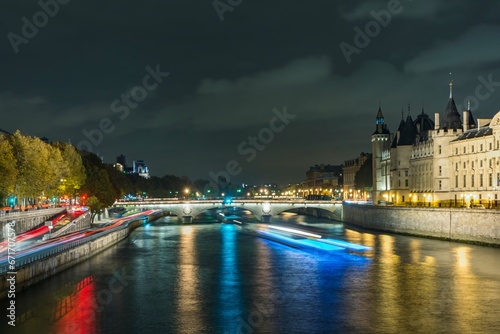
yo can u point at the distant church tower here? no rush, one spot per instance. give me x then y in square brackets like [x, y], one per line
[380, 157]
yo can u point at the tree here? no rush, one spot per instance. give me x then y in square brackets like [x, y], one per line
[55, 172]
[121, 183]
[8, 171]
[97, 181]
[32, 163]
[72, 173]
[95, 206]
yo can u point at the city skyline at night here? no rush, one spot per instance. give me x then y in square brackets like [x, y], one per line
[184, 88]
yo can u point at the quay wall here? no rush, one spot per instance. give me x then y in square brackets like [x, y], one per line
[47, 266]
[26, 221]
[456, 224]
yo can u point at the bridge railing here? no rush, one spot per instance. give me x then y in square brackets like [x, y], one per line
[220, 201]
[43, 251]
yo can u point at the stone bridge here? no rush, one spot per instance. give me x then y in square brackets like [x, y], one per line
[263, 210]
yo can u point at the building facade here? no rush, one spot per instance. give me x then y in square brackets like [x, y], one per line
[350, 168]
[323, 180]
[451, 161]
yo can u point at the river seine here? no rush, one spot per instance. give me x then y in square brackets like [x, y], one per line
[222, 278]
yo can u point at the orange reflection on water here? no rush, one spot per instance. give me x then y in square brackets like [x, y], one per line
[465, 292]
[388, 278]
[189, 299]
[415, 251]
[462, 255]
[365, 239]
[77, 312]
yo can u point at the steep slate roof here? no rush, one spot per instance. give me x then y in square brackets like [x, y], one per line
[451, 118]
[408, 133]
[474, 133]
[424, 122]
[401, 126]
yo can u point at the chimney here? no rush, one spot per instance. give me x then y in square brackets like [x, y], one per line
[466, 120]
[436, 121]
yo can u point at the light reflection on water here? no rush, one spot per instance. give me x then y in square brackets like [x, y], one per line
[216, 278]
[229, 305]
[188, 296]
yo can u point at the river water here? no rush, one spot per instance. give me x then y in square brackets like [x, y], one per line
[218, 278]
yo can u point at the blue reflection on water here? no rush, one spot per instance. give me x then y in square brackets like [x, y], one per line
[312, 287]
[229, 300]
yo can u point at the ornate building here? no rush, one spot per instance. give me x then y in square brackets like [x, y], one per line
[448, 162]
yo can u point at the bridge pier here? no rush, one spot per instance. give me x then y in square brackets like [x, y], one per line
[265, 218]
[187, 219]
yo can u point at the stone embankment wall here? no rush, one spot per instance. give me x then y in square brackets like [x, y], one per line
[46, 267]
[26, 221]
[469, 225]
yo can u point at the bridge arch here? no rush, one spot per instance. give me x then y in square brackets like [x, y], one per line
[263, 210]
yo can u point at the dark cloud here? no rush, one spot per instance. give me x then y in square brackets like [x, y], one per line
[227, 77]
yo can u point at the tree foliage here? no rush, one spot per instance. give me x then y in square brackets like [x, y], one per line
[32, 163]
[97, 183]
[31, 169]
[72, 170]
[8, 171]
[95, 206]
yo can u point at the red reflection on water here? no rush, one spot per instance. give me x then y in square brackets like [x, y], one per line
[76, 313]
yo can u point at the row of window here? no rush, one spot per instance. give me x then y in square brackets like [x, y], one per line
[481, 178]
[472, 148]
[490, 164]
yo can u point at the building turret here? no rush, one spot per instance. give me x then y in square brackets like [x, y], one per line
[451, 118]
[380, 147]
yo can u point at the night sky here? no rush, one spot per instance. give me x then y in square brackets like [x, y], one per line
[225, 77]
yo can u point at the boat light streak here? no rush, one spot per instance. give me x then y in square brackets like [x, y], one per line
[292, 230]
